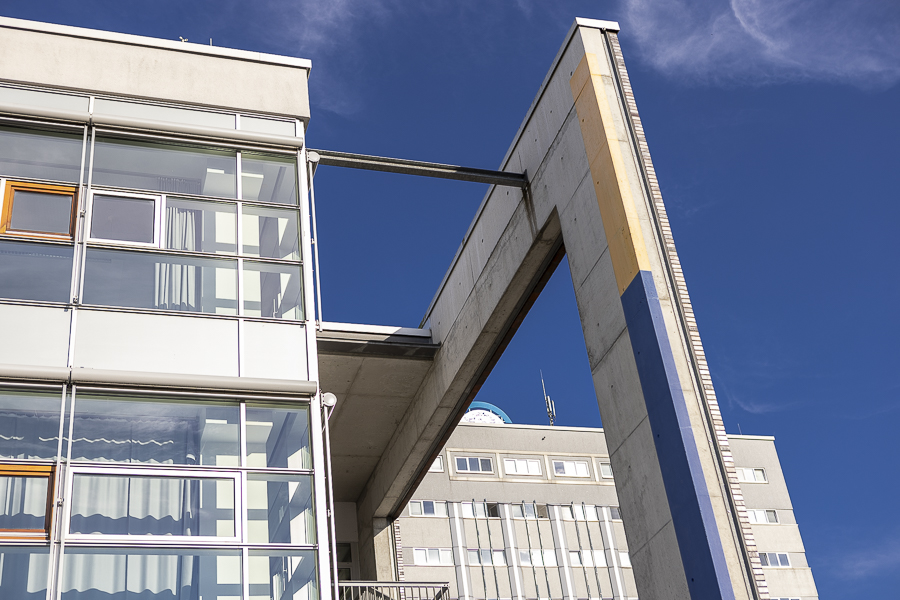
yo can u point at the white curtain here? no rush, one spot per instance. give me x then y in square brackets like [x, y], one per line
[23, 502]
[104, 576]
[177, 286]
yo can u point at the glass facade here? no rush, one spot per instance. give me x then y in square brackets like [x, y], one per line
[167, 225]
[154, 497]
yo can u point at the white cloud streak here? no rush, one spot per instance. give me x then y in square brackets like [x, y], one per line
[760, 42]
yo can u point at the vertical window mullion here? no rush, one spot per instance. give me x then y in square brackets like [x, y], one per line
[86, 220]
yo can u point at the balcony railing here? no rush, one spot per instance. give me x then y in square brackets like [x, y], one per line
[393, 590]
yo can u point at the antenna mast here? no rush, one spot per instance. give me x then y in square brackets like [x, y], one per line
[551, 407]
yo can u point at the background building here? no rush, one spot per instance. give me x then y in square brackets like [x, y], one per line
[528, 511]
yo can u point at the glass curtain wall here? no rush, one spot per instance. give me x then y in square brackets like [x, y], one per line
[168, 225]
[127, 497]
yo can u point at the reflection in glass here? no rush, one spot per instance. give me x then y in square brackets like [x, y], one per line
[278, 438]
[271, 233]
[41, 212]
[120, 505]
[164, 167]
[35, 271]
[23, 572]
[171, 114]
[156, 432]
[279, 575]
[164, 282]
[123, 219]
[288, 128]
[269, 178]
[40, 154]
[280, 509]
[198, 226]
[23, 503]
[272, 291]
[29, 424]
[152, 574]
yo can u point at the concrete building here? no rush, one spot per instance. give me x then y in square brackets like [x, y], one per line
[164, 427]
[526, 511]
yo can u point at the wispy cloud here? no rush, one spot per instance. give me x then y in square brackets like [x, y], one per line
[882, 558]
[769, 41]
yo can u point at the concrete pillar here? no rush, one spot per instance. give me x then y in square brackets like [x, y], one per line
[460, 558]
[512, 552]
[561, 547]
[377, 558]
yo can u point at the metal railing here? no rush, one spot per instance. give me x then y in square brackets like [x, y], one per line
[393, 590]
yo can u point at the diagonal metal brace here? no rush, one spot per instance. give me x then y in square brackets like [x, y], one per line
[417, 167]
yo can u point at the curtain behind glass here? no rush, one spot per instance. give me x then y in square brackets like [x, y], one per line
[29, 424]
[23, 573]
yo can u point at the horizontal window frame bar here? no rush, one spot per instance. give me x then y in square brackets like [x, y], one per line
[129, 133]
[332, 158]
[130, 544]
[179, 196]
[60, 124]
[149, 249]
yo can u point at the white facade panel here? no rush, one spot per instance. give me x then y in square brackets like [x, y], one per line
[41, 335]
[274, 351]
[156, 343]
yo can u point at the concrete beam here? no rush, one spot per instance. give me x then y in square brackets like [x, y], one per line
[593, 192]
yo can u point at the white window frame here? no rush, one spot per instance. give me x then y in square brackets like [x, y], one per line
[421, 508]
[529, 462]
[480, 458]
[156, 540]
[749, 474]
[761, 516]
[768, 557]
[491, 554]
[158, 212]
[545, 557]
[587, 558]
[438, 465]
[442, 554]
[605, 467]
[574, 464]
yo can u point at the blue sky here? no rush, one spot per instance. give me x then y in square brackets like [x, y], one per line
[774, 129]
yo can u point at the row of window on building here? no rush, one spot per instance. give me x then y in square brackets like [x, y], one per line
[465, 465]
[164, 224]
[101, 493]
[527, 558]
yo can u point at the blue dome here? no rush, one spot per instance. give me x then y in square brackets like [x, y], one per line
[490, 408]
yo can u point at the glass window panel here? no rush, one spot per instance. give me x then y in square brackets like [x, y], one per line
[120, 505]
[282, 575]
[126, 573]
[434, 556]
[581, 469]
[123, 219]
[41, 212]
[109, 429]
[606, 470]
[163, 113]
[40, 154]
[198, 226]
[525, 557]
[468, 510]
[771, 516]
[269, 178]
[273, 291]
[486, 465]
[624, 559]
[575, 558]
[35, 271]
[534, 467]
[428, 507]
[278, 438]
[23, 503]
[23, 572]
[270, 233]
[615, 512]
[280, 509]
[343, 552]
[164, 167]
[420, 556]
[159, 281]
[415, 508]
[462, 464]
[288, 128]
[499, 558]
[29, 424]
[517, 511]
[446, 556]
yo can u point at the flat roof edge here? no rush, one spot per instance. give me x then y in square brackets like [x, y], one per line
[527, 426]
[140, 40]
[736, 436]
[376, 329]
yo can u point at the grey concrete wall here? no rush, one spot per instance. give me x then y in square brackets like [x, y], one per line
[128, 65]
[508, 244]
